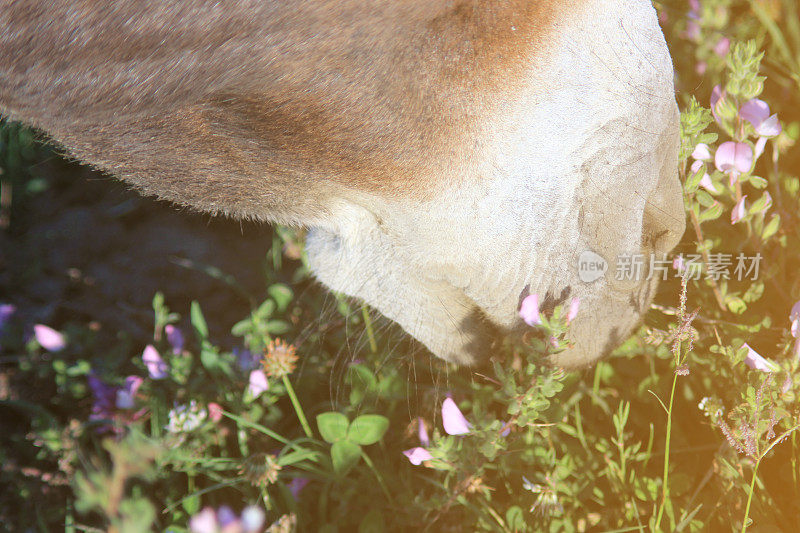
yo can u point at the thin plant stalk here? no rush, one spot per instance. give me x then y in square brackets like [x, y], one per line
[750, 494]
[297, 409]
[378, 476]
[373, 345]
[665, 485]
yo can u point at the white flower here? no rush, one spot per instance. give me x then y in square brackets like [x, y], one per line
[185, 418]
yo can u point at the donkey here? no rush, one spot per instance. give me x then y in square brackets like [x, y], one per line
[448, 157]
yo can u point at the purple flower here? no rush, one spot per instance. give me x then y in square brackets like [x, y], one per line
[453, 420]
[246, 360]
[105, 397]
[48, 338]
[679, 264]
[156, 366]
[418, 455]
[127, 394]
[174, 338]
[422, 432]
[226, 517]
[296, 485]
[574, 305]
[529, 310]
[794, 317]
[114, 403]
[257, 384]
[6, 310]
[756, 362]
[739, 211]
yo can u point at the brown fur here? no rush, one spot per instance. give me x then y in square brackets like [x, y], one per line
[267, 110]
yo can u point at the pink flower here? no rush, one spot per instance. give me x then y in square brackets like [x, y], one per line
[701, 67]
[156, 367]
[529, 310]
[257, 384]
[756, 362]
[225, 520]
[794, 317]
[215, 411]
[423, 432]
[126, 395]
[761, 143]
[453, 420]
[679, 264]
[756, 112]
[574, 305]
[204, 522]
[722, 47]
[702, 152]
[48, 338]
[692, 30]
[771, 127]
[418, 455]
[738, 211]
[705, 181]
[733, 158]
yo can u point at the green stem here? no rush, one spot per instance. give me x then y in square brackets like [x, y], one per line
[378, 476]
[665, 486]
[297, 409]
[373, 346]
[750, 494]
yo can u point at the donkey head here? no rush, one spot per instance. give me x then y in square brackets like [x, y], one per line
[448, 157]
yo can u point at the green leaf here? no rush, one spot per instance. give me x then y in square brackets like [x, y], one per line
[198, 321]
[281, 294]
[367, 429]
[277, 327]
[372, 522]
[736, 304]
[332, 426]
[344, 455]
[241, 328]
[712, 213]
[209, 357]
[191, 504]
[771, 228]
[704, 198]
[265, 310]
[515, 519]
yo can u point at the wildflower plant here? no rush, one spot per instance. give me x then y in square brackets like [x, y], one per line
[310, 416]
